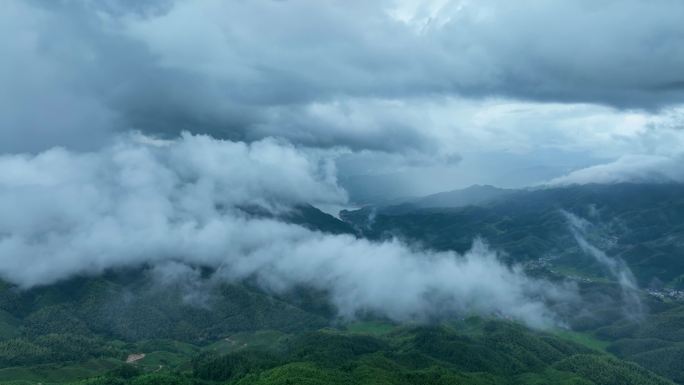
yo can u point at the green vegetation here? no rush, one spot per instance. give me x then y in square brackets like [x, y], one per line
[377, 328]
[646, 222]
[657, 342]
[80, 332]
[585, 339]
[57, 373]
[130, 309]
[262, 339]
[485, 352]
[607, 370]
[500, 353]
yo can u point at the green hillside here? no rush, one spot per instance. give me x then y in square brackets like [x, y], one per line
[641, 223]
[58, 335]
[82, 331]
[472, 352]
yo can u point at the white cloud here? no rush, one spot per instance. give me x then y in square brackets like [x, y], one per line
[629, 168]
[178, 202]
[421, 84]
[581, 230]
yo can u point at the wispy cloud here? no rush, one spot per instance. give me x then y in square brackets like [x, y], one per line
[615, 266]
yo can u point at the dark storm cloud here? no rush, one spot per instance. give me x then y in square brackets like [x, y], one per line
[77, 70]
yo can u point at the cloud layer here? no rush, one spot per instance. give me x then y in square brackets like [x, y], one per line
[146, 202]
[426, 96]
[628, 168]
[300, 68]
[423, 95]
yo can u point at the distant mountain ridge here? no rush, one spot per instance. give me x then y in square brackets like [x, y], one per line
[470, 196]
[646, 222]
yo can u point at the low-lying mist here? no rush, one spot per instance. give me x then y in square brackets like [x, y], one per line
[148, 202]
[616, 267]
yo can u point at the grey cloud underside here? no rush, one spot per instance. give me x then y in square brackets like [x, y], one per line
[246, 70]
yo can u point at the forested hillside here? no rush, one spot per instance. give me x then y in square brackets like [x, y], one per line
[176, 330]
[472, 351]
[643, 224]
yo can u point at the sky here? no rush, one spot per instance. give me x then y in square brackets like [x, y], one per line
[411, 97]
[130, 130]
